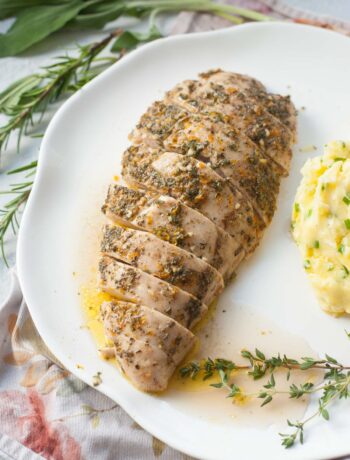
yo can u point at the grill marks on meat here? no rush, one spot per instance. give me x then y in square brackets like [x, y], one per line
[205, 167]
[176, 223]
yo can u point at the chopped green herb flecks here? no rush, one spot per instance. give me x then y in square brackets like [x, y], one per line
[347, 223]
[307, 264]
[346, 199]
[316, 244]
[296, 207]
[341, 249]
[309, 213]
[346, 271]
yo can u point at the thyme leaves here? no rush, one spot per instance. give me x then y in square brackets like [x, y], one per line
[335, 384]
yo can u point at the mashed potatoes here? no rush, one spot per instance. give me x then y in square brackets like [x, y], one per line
[321, 225]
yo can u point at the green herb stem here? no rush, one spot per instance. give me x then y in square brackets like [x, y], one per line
[205, 6]
[335, 386]
[48, 87]
[9, 213]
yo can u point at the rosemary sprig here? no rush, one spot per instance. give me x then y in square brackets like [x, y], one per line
[32, 94]
[10, 212]
[25, 103]
[336, 383]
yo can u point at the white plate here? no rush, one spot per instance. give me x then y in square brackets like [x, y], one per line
[81, 152]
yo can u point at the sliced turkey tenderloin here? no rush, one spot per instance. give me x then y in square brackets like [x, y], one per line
[176, 223]
[242, 112]
[163, 260]
[148, 344]
[198, 186]
[133, 285]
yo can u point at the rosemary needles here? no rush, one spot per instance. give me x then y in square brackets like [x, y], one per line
[25, 101]
[10, 212]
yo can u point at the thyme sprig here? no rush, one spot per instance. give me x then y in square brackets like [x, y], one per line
[336, 384]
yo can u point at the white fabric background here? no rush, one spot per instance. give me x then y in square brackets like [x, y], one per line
[337, 8]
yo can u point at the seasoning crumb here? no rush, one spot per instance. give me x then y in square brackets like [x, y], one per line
[107, 352]
[96, 379]
[74, 273]
[80, 366]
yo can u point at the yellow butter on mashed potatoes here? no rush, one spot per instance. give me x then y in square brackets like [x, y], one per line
[321, 225]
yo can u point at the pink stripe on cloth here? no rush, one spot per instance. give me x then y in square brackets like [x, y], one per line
[307, 17]
[279, 9]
